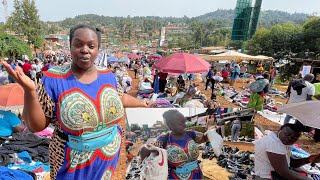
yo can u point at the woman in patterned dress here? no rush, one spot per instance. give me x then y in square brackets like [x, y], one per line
[181, 146]
[79, 99]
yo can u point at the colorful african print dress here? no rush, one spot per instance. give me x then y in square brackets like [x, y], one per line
[180, 152]
[76, 109]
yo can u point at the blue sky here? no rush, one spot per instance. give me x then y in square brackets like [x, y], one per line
[54, 10]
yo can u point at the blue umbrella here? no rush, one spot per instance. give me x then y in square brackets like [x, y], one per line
[156, 84]
[112, 59]
[123, 59]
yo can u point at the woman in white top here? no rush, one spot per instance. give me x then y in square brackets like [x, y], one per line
[273, 154]
[33, 71]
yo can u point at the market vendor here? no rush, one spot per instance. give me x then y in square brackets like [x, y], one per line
[259, 69]
[181, 146]
[273, 154]
[9, 123]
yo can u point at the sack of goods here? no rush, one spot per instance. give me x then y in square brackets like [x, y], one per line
[258, 85]
[155, 166]
[216, 141]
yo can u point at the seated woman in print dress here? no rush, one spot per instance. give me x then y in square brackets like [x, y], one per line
[181, 146]
[86, 105]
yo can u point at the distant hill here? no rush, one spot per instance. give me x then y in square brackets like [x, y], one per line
[267, 18]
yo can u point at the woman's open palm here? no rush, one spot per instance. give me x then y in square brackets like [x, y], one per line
[18, 75]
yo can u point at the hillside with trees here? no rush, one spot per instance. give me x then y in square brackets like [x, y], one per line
[225, 17]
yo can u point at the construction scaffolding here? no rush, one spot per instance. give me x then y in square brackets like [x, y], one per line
[246, 19]
[255, 18]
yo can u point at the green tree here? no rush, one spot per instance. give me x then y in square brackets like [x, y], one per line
[135, 127]
[311, 35]
[282, 42]
[260, 43]
[25, 21]
[12, 46]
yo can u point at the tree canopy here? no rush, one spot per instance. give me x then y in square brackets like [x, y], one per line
[25, 21]
[287, 41]
[12, 46]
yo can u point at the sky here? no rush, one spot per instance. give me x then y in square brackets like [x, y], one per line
[151, 115]
[54, 10]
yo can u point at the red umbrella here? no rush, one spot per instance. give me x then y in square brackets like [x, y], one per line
[133, 56]
[182, 63]
[11, 96]
[155, 57]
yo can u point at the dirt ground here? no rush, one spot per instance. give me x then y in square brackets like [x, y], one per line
[121, 169]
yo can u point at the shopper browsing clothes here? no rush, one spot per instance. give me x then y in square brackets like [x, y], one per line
[235, 130]
[235, 73]
[85, 104]
[300, 90]
[259, 88]
[181, 146]
[9, 123]
[273, 155]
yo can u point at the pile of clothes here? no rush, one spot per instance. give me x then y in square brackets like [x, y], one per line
[162, 103]
[25, 154]
[242, 98]
[147, 93]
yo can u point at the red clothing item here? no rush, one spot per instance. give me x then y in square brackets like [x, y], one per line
[26, 68]
[162, 76]
[45, 68]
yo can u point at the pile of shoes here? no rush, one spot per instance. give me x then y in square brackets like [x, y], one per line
[239, 163]
[207, 153]
[134, 169]
[241, 139]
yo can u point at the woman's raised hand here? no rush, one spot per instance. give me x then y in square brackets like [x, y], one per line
[18, 75]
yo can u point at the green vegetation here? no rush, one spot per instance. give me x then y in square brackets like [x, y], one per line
[25, 22]
[247, 129]
[211, 29]
[287, 41]
[135, 127]
[12, 46]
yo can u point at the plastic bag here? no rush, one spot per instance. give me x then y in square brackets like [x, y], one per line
[155, 166]
[257, 133]
[145, 85]
[216, 141]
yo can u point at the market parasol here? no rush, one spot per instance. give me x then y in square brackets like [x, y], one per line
[133, 56]
[182, 63]
[233, 56]
[306, 112]
[112, 59]
[11, 97]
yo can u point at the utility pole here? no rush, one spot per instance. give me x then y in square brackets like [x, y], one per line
[5, 9]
